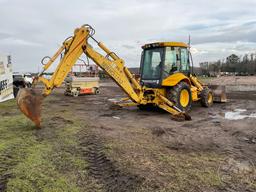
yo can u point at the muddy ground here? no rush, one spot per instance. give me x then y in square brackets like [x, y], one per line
[89, 146]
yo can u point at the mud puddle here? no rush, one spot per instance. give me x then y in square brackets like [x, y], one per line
[239, 114]
[236, 114]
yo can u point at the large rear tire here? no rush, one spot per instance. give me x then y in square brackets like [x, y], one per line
[206, 96]
[180, 95]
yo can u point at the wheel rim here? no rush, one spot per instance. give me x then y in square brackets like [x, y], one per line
[210, 98]
[184, 98]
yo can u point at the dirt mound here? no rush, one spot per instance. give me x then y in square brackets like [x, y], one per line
[229, 80]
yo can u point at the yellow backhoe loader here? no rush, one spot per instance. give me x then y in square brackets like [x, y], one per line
[166, 80]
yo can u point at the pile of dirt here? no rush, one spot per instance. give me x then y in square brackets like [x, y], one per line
[233, 80]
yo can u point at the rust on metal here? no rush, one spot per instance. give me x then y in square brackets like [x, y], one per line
[29, 102]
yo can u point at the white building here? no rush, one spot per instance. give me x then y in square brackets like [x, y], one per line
[6, 80]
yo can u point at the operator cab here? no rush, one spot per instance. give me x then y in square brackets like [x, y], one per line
[160, 60]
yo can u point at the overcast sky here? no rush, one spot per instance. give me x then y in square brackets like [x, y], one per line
[33, 29]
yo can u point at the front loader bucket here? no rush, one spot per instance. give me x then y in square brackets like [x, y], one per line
[29, 102]
[219, 93]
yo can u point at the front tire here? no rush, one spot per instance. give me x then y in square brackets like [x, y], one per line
[206, 97]
[180, 95]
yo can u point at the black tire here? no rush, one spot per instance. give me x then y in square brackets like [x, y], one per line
[66, 93]
[97, 91]
[206, 96]
[28, 85]
[15, 91]
[174, 93]
[75, 94]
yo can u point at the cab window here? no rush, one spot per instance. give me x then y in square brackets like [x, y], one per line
[152, 63]
[184, 59]
[172, 61]
[170, 64]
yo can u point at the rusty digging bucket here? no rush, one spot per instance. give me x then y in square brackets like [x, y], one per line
[29, 101]
[219, 93]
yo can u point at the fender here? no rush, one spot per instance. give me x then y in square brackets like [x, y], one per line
[174, 79]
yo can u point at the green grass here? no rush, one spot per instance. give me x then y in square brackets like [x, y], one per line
[41, 160]
[8, 104]
[192, 170]
[37, 171]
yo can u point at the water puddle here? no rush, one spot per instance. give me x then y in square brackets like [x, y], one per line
[238, 114]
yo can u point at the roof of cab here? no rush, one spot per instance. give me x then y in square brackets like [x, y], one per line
[165, 44]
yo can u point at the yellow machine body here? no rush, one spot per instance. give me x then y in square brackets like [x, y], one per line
[174, 79]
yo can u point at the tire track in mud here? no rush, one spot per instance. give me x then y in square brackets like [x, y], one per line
[7, 162]
[104, 170]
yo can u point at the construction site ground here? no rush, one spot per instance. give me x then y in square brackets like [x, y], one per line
[87, 145]
[231, 80]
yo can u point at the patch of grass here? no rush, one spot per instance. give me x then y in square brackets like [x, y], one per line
[7, 104]
[39, 173]
[192, 170]
[15, 131]
[41, 160]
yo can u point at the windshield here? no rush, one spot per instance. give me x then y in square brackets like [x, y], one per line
[176, 59]
[152, 62]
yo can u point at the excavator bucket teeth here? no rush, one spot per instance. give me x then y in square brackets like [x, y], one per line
[29, 102]
[187, 117]
[219, 93]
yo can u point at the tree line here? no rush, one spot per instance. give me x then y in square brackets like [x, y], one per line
[232, 65]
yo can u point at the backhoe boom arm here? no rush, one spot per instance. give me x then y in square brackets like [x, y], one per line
[111, 63]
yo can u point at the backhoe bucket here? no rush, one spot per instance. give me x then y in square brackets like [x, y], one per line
[219, 93]
[29, 102]
[181, 117]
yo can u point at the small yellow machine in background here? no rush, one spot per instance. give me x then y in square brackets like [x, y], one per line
[76, 86]
[83, 81]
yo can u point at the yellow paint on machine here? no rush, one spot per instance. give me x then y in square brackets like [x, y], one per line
[174, 79]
